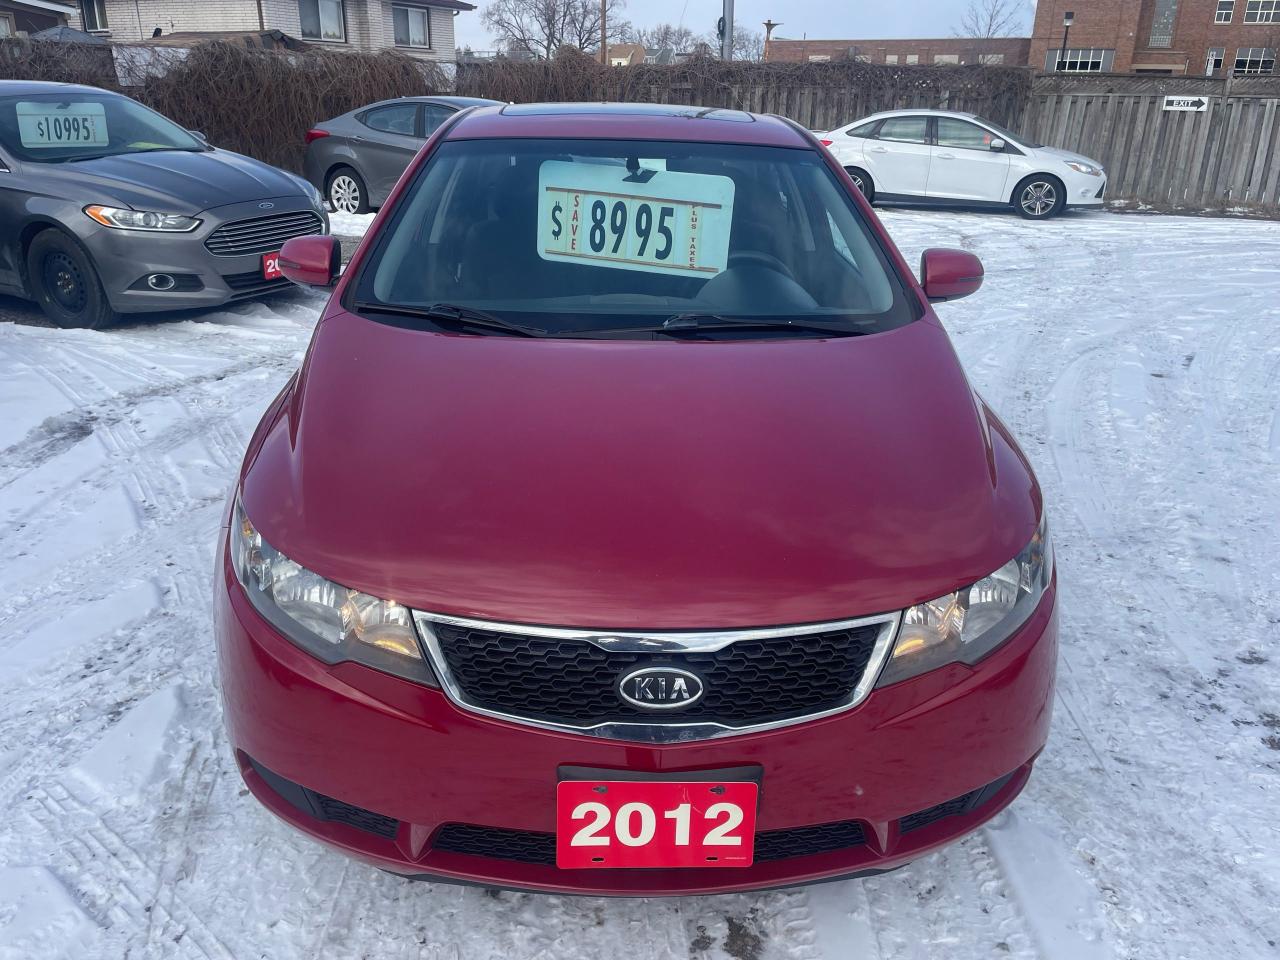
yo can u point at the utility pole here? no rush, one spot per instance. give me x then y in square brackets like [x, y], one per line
[604, 33]
[726, 36]
[769, 27]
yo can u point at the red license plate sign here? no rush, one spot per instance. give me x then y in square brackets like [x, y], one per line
[626, 823]
[271, 266]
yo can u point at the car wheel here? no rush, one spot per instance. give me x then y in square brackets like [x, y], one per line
[862, 180]
[346, 192]
[65, 283]
[1039, 197]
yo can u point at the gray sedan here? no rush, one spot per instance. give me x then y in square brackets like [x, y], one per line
[106, 208]
[356, 159]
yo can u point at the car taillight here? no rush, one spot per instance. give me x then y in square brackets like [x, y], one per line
[316, 134]
[826, 143]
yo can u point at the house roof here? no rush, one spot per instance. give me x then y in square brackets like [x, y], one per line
[265, 39]
[64, 34]
[445, 4]
[63, 8]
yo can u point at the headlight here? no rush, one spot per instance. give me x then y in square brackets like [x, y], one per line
[329, 621]
[141, 220]
[1079, 166]
[965, 626]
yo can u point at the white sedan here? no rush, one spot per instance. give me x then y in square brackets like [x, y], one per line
[958, 159]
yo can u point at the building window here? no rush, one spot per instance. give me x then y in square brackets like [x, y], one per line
[991, 59]
[1080, 60]
[7, 28]
[1213, 61]
[412, 26]
[890, 58]
[1225, 9]
[946, 58]
[913, 58]
[1262, 11]
[1255, 60]
[93, 13]
[819, 58]
[322, 20]
[1162, 23]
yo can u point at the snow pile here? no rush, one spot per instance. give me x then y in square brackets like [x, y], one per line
[1137, 358]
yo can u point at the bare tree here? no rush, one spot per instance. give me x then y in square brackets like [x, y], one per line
[985, 19]
[664, 35]
[747, 44]
[544, 26]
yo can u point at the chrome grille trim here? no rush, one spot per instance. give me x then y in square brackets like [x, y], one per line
[262, 234]
[658, 641]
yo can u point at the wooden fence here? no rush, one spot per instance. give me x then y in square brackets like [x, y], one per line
[1226, 155]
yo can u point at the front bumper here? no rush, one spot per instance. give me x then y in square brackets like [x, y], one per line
[379, 747]
[1085, 191]
[125, 259]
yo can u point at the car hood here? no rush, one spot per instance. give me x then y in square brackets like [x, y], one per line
[175, 181]
[1066, 155]
[639, 484]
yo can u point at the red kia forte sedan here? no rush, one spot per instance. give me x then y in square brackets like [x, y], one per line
[631, 527]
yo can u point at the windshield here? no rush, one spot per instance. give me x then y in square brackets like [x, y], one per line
[1009, 134]
[57, 127]
[592, 236]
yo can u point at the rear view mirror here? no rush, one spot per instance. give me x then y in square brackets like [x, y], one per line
[996, 145]
[948, 274]
[313, 261]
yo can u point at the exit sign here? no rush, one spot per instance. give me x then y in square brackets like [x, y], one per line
[1192, 104]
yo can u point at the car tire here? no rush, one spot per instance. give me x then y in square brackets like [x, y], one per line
[63, 280]
[862, 180]
[1039, 197]
[346, 191]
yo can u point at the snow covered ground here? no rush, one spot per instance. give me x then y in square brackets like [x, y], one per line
[1138, 359]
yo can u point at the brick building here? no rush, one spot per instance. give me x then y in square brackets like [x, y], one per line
[1005, 51]
[1200, 37]
[420, 28]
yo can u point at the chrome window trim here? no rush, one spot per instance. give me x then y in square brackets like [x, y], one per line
[657, 641]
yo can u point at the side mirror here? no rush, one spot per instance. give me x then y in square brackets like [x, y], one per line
[996, 145]
[946, 274]
[199, 135]
[313, 261]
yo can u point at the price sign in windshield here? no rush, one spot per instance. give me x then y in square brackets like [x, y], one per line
[81, 124]
[646, 220]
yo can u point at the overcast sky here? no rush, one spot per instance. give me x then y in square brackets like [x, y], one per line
[814, 18]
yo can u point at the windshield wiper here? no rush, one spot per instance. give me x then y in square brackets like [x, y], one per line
[695, 322]
[451, 314]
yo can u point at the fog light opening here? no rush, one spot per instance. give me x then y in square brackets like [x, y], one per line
[161, 281]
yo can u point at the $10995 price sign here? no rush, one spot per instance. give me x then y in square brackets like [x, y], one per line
[43, 125]
[653, 221]
[626, 823]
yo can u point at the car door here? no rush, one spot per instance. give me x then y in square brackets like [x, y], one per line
[898, 158]
[964, 166]
[13, 197]
[388, 141]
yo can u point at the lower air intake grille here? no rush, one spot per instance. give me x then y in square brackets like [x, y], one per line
[524, 846]
[353, 816]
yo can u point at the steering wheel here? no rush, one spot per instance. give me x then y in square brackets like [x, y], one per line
[758, 258]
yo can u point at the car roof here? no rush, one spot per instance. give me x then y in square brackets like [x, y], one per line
[921, 112]
[22, 87]
[628, 121]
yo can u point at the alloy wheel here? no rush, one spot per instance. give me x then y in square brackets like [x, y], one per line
[344, 194]
[1039, 198]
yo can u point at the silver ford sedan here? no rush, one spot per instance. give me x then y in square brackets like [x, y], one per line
[106, 207]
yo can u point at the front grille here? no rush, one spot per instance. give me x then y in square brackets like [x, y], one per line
[261, 234]
[573, 682]
[253, 282]
[525, 846]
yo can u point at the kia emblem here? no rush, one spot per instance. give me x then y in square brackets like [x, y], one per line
[660, 688]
